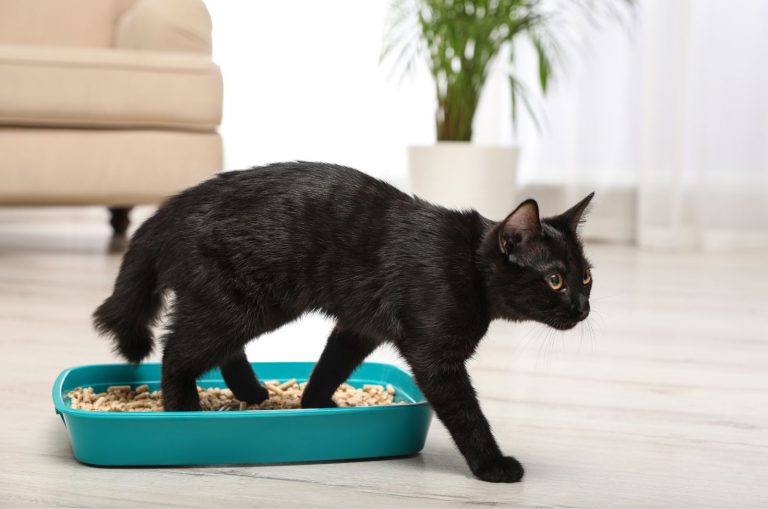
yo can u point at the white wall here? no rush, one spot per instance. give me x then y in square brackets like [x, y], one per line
[303, 81]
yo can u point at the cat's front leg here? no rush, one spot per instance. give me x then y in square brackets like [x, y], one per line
[448, 389]
[344, 351]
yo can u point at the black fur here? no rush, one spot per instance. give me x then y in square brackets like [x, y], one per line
[248, 251]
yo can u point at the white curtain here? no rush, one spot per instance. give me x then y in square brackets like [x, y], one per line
[704, 178]
[669, 121]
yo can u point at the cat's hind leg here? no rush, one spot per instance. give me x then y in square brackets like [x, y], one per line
[344, 351]
[242, 381]
[201, 336]
[182, 364]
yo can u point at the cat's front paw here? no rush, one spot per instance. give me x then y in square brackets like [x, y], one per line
[252, 395]
[500, 469]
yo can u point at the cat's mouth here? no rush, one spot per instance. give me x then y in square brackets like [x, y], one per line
[562, 324]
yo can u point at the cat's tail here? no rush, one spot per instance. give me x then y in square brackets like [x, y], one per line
[127, 315]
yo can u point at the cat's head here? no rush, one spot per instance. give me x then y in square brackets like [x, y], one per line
[535, 269]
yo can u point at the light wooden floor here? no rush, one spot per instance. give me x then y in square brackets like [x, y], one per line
[666, 405]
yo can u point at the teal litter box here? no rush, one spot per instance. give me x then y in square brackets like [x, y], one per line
[241, 437]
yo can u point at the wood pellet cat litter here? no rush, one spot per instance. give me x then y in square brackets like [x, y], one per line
[286, 395]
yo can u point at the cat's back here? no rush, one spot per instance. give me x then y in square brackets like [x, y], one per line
[305, 181]
[284, 197]
[305, 194]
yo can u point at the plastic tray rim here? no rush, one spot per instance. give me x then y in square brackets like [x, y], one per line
[61, 406]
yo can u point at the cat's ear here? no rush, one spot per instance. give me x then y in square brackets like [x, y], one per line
[520, 226]
[575, 215]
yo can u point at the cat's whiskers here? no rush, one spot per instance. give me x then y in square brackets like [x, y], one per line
[596, 319]
[558, 337]
[550, 340]
[527, 337]
[543, 336]
[588, 324]
[535, 334]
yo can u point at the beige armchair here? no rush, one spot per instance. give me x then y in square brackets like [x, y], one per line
[106, 102]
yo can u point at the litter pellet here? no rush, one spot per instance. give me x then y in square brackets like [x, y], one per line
[285, 395]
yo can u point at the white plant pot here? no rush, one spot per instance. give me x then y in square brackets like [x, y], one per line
[460, 175]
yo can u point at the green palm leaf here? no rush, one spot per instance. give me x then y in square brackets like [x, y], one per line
[459, 40]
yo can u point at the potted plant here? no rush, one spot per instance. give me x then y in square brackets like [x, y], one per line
[460, 40]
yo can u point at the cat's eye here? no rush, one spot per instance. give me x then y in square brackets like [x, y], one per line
[555, 281]
[587, 277]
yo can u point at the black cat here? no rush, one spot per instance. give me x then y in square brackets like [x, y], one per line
[248, 251]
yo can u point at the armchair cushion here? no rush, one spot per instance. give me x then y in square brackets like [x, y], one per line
[99, 87]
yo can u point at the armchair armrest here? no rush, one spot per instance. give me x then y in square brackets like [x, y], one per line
[165, 25]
